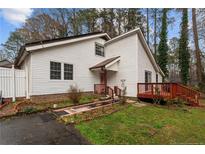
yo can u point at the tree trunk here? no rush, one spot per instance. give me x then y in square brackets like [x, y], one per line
[197, 49]
[155, 33]
[148, 26]
[119, 20]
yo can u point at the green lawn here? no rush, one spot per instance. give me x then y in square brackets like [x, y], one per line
[202, 101]
[147, 125]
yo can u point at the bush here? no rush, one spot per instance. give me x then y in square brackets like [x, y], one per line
[175, 102]
[75, 94]
[202, 87]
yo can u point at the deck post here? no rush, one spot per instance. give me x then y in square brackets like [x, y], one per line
[152, 90]
[94, 89]
[171, 90]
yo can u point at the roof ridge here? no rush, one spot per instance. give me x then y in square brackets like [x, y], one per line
[62, 38]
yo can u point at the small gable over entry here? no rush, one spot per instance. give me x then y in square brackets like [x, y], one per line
[108, 64]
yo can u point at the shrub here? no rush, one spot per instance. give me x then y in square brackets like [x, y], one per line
[75, 94]
[175, 102]
[202, 87]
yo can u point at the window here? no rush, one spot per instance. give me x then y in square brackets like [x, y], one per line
[148, 77]
[156, 78]
[68, 72]
[55, 70]
[99, 49]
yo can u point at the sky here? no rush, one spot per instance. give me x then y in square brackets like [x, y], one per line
[10, 19]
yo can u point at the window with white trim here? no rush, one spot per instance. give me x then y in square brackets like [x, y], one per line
[68, 71]
[99, 49]
[148, 77]
[55, 70]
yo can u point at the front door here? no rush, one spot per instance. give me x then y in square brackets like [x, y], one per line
[103, 80]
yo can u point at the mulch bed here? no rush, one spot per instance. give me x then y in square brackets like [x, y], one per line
[3, 105]
[90, 114]
[12, 109]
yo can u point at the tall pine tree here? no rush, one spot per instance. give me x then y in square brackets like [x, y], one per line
[147, 11]
[134, 19]
[184, 54]
[163, 47]
[90, 17]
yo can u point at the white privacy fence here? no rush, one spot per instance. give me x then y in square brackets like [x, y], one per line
[12, 82]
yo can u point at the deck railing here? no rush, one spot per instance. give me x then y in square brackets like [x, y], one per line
[154, 90]
[110, 92]
[99, 89]
[117, 91]
[168, 91]
[187, 93]
[103, 90]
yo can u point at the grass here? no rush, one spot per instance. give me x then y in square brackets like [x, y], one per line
[147, 125]
[202, 101]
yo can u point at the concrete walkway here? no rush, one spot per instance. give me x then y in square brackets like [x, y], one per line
[41, 128]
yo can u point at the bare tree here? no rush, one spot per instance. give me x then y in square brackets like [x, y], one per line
[199, 69]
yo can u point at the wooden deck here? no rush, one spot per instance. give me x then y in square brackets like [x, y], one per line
[155, 91]
[168, 91]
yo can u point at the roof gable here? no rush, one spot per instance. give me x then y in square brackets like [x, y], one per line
[104, 63]
[30, 47]
[144, 44]
[5, 63]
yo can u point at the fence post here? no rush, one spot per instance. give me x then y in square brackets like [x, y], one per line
[27, 82]
[13, 84]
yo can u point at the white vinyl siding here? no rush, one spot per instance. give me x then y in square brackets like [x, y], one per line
[80, 55]
[144, 64]
[127, 50]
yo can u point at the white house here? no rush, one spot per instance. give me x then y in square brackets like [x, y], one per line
[51, 66]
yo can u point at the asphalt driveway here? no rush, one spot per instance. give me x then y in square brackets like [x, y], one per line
[41, 128]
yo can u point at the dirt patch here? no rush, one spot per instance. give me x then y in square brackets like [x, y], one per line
[139, 104]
